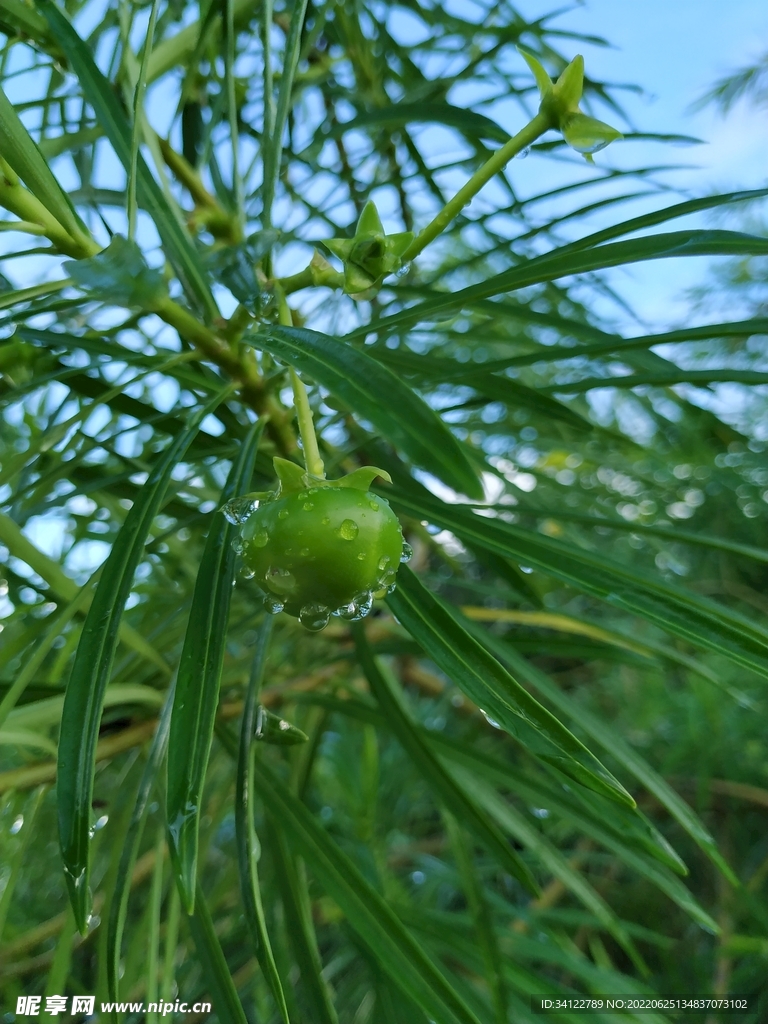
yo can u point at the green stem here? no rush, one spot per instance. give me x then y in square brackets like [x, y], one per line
[138, 103]
[532, 131]
[312, 460]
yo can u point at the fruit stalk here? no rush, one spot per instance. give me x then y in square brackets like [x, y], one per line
[312, 460]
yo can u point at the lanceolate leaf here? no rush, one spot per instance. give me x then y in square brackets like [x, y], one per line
[98, 92]
[247, 841]
[457, 799]
[678, 611]
[485, 681]
[90, 673]
[555, 265]
[197, 686]
[617, 747]
[119, 897]
[393, 947]
[376, 394]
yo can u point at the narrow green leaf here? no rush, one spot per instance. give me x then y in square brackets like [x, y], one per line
[526, 832]
[394, 948]
[245, 834]
[273, 155]
[224, 995]
[472, 125]
[673, 609]
[84, 698]
[618, 748]
[294, 895]
[629, 846]
[661, 378]
[485, 681]
[197, 687]
[118, 906]
[20, 150]
[481, 914]
[555, 265]
[458, 800]
[98, 92]
[377, 394]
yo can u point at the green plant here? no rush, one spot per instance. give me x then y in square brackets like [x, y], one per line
[507, 778]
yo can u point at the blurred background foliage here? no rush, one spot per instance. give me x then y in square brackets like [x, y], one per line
[596, 456]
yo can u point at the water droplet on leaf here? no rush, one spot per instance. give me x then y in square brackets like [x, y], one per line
[237, 544]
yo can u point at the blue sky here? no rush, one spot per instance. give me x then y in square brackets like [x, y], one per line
[676, 50]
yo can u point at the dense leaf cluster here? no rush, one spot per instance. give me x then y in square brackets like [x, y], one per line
[539, 765]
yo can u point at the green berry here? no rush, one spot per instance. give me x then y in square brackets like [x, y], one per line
[326, 550]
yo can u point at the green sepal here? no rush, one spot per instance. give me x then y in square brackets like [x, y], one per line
[271, 728]
[543, 81]
[570, 85]
[361, 479]
[586, 134]
[560, 103]
[292, 478]
[371, 254]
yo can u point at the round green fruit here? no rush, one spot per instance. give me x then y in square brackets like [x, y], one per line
[325, 550]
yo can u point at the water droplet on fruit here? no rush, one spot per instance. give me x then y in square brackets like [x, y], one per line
[273, 604]
[314, 617]
[260, 539]
[238, 510]
[308, 506]
[361, 557]
[325, 521]
[384, 562]
[237, 544]
[304, 552]
[246, 572]
[364, 602]
[304, 495]
[407, 554]
[283, 513]
[348, 529]
[374, 505]
[387, 578]
[280, 581]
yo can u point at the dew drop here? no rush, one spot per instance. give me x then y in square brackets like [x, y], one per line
[283, 513]
[325, 521]
[491, 721]
[273, 604]
[407, 554]
[308, 506]
[314, 617]
[348, 529]
[246, 572]
[304, 552]
[387, 579]
[364, 603]
[374, 505]
[260, 539]
[524, 153]
[237, 544]
[361, 557]
[384, 562]
[239, 509]
[280, 581]
[304, 495]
